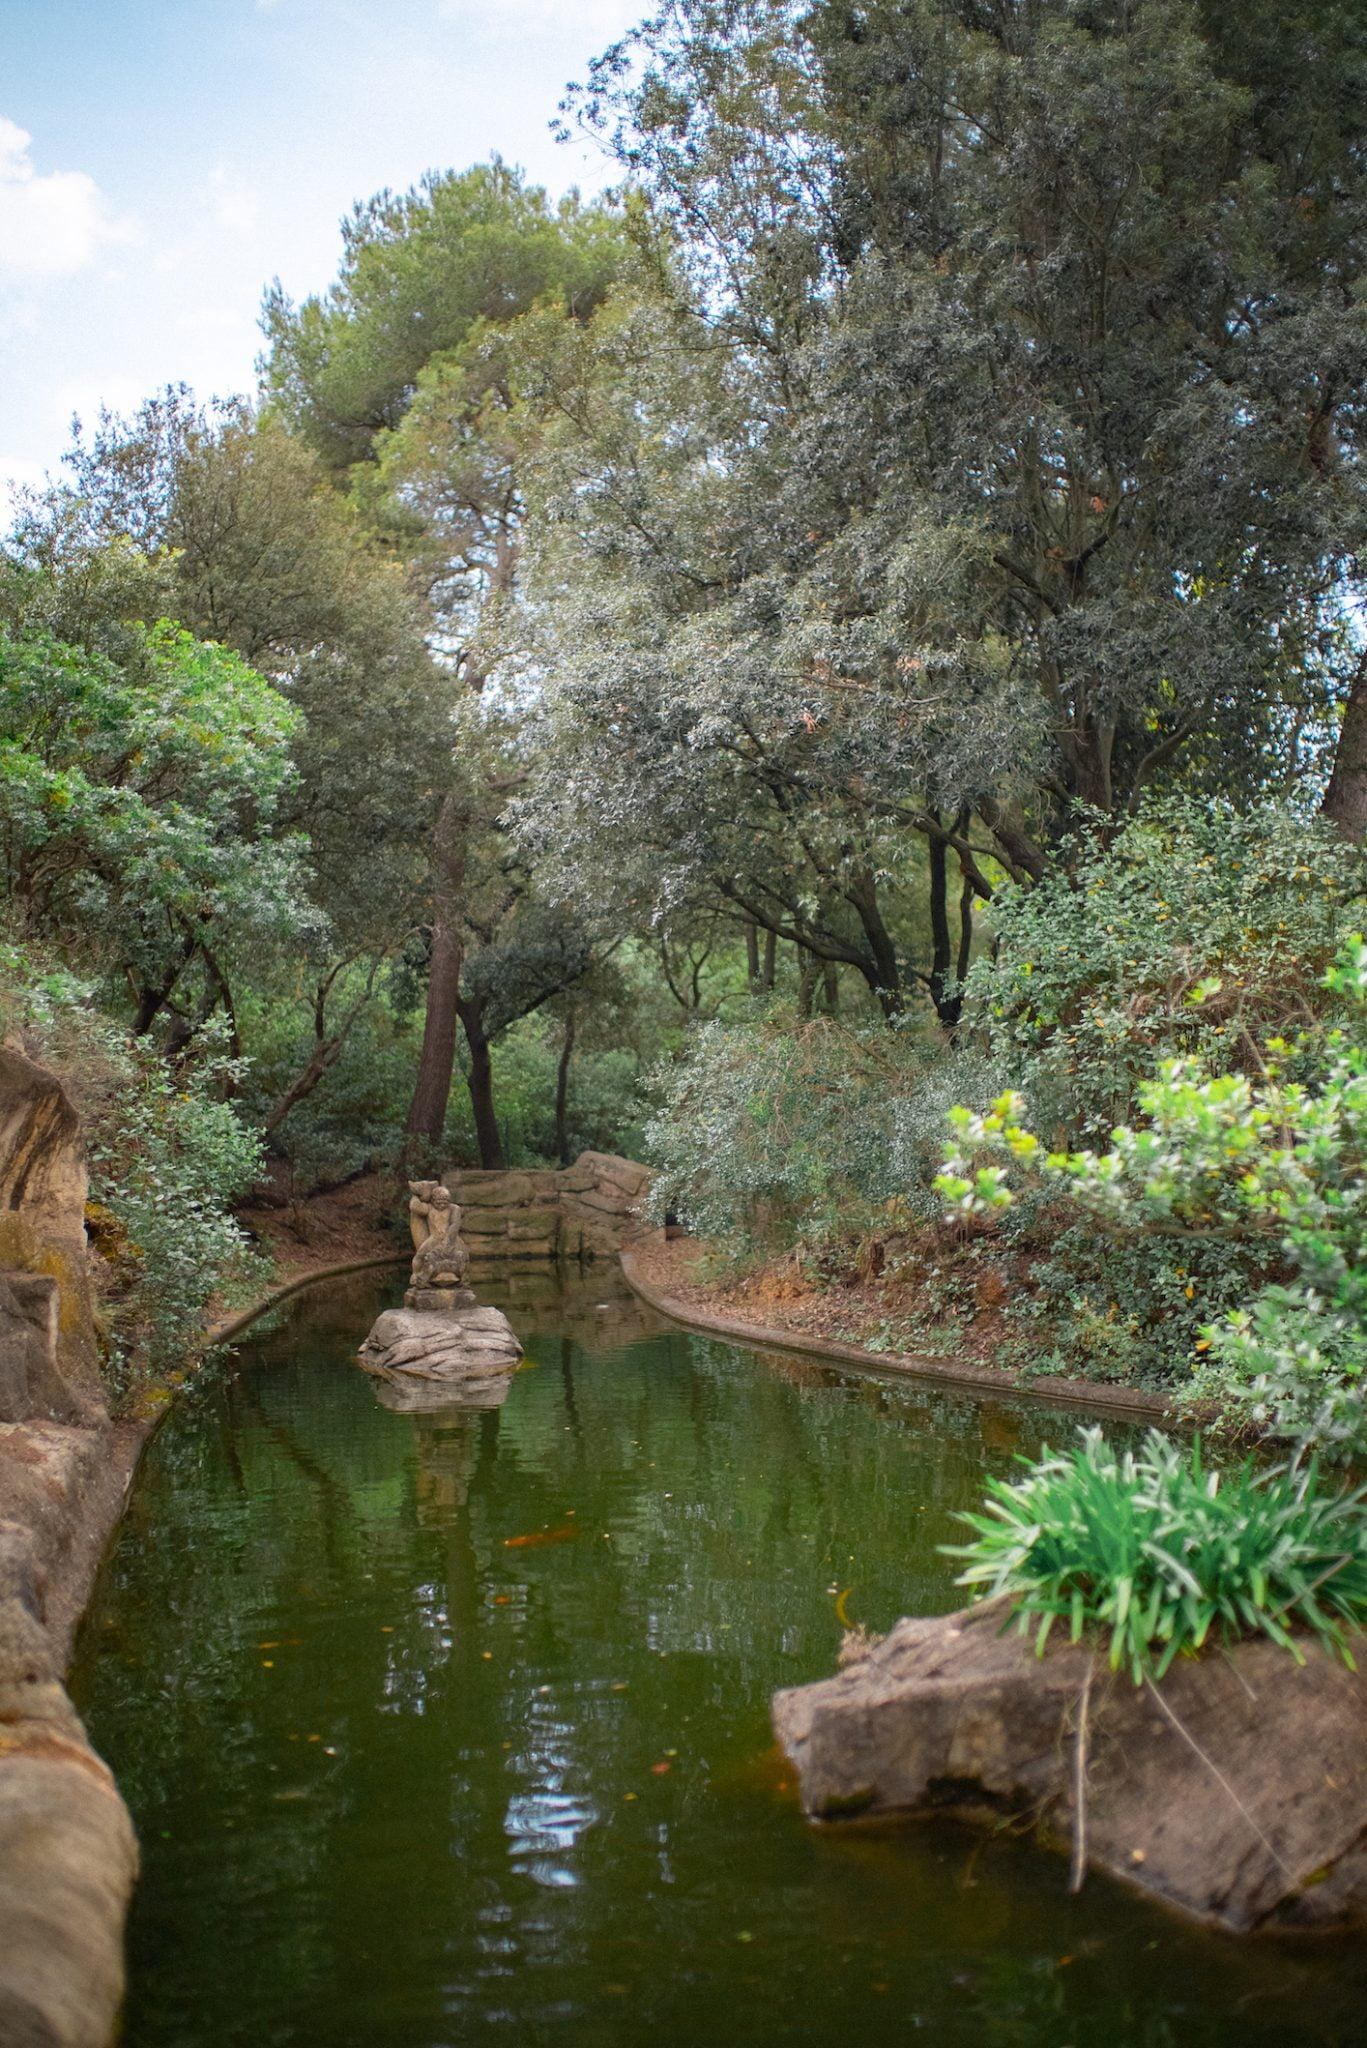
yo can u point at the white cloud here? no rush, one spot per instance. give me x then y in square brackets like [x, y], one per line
[235, 205]
[51, 223]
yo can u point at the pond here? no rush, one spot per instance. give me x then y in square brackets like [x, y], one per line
[404, 1778]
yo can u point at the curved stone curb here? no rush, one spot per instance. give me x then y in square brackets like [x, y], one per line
[941, 1372]
[232, 1326]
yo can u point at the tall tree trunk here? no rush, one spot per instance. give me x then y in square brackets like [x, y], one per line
[1345, 800]
[809, 968]
[752, 952]
[562, 1092]
[881, 972]
[436, 1062]
[942, 981]
[770, 967]
[481, 1083]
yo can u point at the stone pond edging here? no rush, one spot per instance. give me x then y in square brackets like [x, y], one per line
[227, 1327]
[956, 1376]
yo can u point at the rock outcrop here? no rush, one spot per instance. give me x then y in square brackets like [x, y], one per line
[585, 1211]
[48, 1356]
[1237, 1791]
[68, 1855]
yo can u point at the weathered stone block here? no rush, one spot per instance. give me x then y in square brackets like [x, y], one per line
[1237, 1792]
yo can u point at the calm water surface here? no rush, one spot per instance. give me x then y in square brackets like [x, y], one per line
[403, 1781]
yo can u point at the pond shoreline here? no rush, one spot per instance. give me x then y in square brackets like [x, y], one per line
[70, 1854]
[72, 1548]
[656, 1271]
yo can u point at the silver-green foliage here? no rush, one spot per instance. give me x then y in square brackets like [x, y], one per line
[767, 1129]
[1159, 1553]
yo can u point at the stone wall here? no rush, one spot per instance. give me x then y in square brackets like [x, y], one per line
[588, 1210]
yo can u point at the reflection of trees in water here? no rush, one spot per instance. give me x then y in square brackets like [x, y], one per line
[489, 1705]
[591, 1304]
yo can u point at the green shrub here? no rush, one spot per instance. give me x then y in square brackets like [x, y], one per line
[770, 1130]
[1155, 1551]
[1197, 931]
[167, 1150]
[1273, 1171]
[356, 1113]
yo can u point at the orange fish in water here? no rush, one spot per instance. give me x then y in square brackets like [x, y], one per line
[537, 1538]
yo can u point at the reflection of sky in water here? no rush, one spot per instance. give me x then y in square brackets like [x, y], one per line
[415, 1658]
[544, 1821]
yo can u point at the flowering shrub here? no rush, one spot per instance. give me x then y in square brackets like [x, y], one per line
[1272, 1168]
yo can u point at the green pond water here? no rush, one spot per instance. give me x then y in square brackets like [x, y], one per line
[402, 1782]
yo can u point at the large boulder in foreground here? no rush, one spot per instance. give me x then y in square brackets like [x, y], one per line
[68, 1857]
[1237, 1791]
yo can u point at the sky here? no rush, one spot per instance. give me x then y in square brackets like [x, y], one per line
[162, 160]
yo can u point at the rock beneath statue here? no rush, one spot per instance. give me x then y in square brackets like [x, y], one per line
[439, 1301]
[453, 1346]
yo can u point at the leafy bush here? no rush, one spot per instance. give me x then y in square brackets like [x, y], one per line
[356, 1113]
[768, 1129]
[1156, 1550]
[139, 798]
[167, 1151]
[1198, 931]
[1273, 1170]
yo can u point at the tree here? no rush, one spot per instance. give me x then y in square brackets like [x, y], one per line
[244, 536]
[140, 811]
[420, 271]
[400, 372]
[1012, 457]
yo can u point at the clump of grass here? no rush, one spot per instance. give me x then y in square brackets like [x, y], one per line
[1159, 1551]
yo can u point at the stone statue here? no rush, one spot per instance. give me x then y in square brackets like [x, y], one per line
[440, 1260]
[441, 1349]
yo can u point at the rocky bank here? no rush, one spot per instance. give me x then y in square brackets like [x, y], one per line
[1237, 1791]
